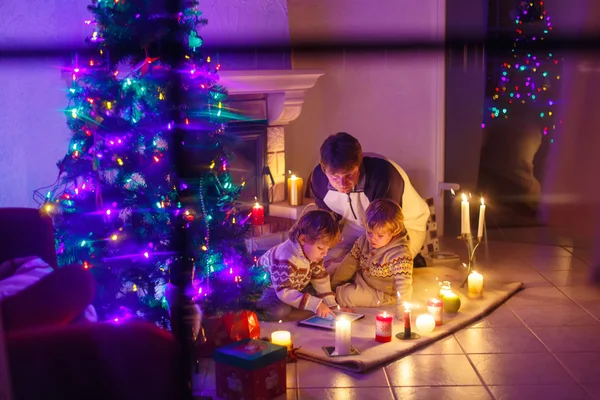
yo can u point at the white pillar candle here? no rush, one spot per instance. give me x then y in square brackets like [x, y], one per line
[481, 219]
[465, 216]
[475, 285]
[282, 338]
[343, 335]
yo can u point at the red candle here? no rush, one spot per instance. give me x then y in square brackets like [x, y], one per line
[383, 327]
[258, 214]
[407, 329]
[435, 308]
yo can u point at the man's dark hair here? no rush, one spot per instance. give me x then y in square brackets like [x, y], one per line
[340, 152]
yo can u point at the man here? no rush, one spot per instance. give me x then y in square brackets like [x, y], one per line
[345, 182]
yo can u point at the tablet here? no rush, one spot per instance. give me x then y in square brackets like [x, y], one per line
[324, 323]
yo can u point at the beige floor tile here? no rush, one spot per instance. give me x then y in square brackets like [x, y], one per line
[499, 340]
[567, 278]
[447, 345]
[520, 369]
[539, 296]
[570, 315]
[584, 367]
[593, 389]
[592, 307]
[499, 318]
[566, 339]
[346, 394]
[442, 392]
[526, 392]
[582, 293]
[313, 375]
[290, 394]
[528, 277]
[550, 263]
[432, 370]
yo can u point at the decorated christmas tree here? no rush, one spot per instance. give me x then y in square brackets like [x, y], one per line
[118, 200]
[527, 83]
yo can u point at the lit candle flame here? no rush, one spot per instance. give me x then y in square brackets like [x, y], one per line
[406, 306]
[482, 203]
[385, 314]
[464, 197]
[452, 191]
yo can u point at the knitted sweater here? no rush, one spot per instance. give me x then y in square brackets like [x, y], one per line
[387, 269]
[291, 273]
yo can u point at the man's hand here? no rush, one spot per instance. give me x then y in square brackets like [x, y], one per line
[323, 311]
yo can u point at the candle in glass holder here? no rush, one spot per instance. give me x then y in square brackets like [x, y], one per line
[435, 308]
[295, 194]
[475, 285]
[407, 329]
[465, 216]
[343, 336]
[258, 214]
[445, 287]
[282, 338]
[383, 327]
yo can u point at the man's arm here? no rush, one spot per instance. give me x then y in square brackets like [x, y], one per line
[383, 181]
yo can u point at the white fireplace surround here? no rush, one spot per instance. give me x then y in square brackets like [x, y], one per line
[284, 90]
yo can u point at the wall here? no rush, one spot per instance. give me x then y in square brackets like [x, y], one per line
[33, 132]
[571, 193]
[391, 101]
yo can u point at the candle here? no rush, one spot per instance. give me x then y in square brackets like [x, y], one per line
[383, 327]
[425, 323]
[435, 308]
[407, 329]
[481, 219]
[445, 287]
[258, 214]
[282, 338]
[475, 285]
[343, 335]
[465, 216]
[295, 194]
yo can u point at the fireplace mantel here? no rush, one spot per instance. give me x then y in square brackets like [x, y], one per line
[284, 89]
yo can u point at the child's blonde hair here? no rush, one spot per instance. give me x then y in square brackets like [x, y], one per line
[316, 225]
[385, 214]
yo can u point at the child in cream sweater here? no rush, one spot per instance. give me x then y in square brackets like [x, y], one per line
[378, 269]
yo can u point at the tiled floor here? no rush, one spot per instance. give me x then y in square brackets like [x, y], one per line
[544, 343]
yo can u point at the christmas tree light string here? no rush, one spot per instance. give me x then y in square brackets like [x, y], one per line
[526, 83]
[116, 202]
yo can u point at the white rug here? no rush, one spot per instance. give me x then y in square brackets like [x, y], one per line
[373, 353]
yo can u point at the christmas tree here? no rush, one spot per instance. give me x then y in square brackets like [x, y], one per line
[118, 201]
[526, 84]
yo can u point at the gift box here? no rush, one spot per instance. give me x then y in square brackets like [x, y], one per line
[231, 327]
[250, 369]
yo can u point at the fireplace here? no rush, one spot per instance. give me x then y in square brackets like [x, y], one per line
[249, 160]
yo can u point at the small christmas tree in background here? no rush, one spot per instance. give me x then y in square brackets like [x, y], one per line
[526, 84]
[117, 201]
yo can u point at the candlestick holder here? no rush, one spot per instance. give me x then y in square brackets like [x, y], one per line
[408, 335]
[472, 244]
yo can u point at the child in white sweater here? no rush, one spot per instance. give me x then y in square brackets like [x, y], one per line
[380, 264]
[298, 262]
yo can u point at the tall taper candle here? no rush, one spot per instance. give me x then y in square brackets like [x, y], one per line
[343, 336]
[407, 329]
[465, 216]
[481, 219]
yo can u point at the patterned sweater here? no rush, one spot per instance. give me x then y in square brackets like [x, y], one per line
[388, 269]
[291, 272]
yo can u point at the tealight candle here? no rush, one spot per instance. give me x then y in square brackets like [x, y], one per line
[295, 194]
[383, 327]
[282, 338]
[475, 285]
[343, 336]
[258, 214]
[435, 308]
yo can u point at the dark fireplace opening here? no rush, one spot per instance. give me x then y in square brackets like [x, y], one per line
[249, 160]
